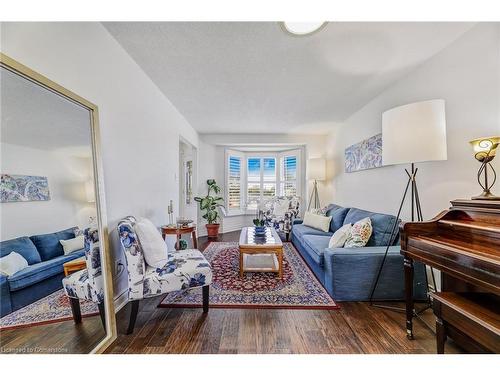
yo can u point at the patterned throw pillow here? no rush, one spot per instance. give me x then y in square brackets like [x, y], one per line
[360, 233]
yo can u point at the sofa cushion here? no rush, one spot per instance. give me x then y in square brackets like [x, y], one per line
[381, 223]
[315, 246]
[67, 234]
[48, 245]
[23, 246]
[338, 216]
[6, 304]
[41, 271]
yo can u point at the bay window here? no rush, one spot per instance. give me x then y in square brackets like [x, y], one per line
[253, 177]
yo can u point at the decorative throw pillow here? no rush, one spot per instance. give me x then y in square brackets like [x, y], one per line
[340, 237]
[12, 263]
[317, 221]
[154, 247]
[281, 207]
[73, 244]
[360, 233]
[320, 211]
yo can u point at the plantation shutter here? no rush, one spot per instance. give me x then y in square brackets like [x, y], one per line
[289, 173]
[290, 176]
[234, 183]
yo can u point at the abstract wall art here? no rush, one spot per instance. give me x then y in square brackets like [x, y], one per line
[364, 155]
[19, 188]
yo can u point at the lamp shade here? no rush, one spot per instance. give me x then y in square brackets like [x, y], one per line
[485, 147]
[414, 133]
[316, 169]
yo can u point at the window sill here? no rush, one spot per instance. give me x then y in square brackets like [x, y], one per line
[240, 213]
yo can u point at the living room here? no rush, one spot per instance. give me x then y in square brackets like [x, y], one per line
[250, 187]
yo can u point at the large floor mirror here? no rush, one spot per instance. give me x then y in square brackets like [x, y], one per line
[55, 273]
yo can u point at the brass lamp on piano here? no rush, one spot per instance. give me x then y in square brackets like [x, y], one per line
[484, 152]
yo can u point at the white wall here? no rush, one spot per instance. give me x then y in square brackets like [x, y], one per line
[467, 75]
[212, 163]
[68, 204]
[140, 128]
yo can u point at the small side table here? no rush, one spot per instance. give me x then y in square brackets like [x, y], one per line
[179, 231]
[74, 265]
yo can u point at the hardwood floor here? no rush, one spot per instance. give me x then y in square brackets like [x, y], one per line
[355, 328]
[56, 338]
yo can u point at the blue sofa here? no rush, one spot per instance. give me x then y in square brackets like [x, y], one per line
[44, 273]
[348, 274]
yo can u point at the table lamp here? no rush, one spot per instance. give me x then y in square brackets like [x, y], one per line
[316, 170]
[485, 150]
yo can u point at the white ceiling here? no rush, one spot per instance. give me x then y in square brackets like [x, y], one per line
[33, 116]
[251, 77]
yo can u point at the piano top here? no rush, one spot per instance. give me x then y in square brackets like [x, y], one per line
[463, 241]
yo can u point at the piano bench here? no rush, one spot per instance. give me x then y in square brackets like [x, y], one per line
[472, 320]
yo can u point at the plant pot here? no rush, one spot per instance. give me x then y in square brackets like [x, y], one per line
[212, 230]
[260, 231]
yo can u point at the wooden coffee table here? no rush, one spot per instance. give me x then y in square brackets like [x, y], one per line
[261, 254]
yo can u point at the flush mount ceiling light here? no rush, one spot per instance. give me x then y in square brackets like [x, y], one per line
[302, 28]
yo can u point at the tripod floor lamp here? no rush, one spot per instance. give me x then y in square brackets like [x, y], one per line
[316, 171]
[411, 134]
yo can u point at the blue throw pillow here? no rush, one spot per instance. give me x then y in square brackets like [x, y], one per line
[22, 246]
[48, 245]
[338, 215]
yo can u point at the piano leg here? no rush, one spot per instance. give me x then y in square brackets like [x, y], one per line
[408, 266]
[440, 336]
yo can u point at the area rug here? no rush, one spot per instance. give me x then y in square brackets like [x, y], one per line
[299, 288]
[51, 309]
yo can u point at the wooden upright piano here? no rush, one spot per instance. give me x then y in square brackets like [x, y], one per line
[464, 244]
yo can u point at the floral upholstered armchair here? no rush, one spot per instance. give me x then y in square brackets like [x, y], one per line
[279, 214]
[185, 269]
[87, 284]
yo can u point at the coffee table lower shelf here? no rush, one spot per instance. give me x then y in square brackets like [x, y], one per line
[261, 253]
[261, 262]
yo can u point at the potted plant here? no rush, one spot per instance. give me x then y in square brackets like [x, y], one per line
[209, 204]
[259, 223]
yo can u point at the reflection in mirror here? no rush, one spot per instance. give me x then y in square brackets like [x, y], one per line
[50, 272]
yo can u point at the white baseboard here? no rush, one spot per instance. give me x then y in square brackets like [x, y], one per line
[121, 301]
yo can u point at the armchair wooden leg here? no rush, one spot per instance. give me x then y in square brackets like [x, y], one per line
[133, 316]
[206, 294]
[287, 236]
[75, 309]
[102, 313]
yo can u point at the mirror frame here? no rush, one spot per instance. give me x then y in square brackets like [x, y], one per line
[22, 70]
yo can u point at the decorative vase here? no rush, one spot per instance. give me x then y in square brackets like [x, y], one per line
[212, 230]
[183, 245]
[260, 231]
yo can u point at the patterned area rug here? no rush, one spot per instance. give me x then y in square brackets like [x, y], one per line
[299, 288]
[53, 308]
